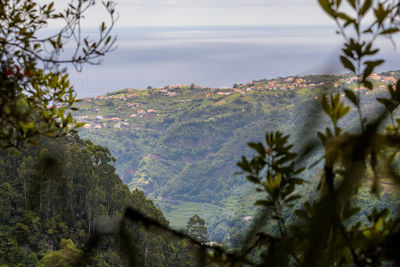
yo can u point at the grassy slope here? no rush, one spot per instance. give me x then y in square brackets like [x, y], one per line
[184, 155]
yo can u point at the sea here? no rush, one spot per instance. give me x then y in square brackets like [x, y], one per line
[215, 56]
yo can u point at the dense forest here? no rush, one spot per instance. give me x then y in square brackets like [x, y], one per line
[58, 195]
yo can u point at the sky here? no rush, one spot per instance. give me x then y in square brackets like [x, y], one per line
[213, 12]
[210, 56]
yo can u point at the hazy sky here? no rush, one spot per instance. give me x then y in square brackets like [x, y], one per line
[215, 12]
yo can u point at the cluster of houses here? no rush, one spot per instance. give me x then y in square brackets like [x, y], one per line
[282, 84]
[123, 97]
[289, 83]
[375, 77]
[99, 122]
[292, 83]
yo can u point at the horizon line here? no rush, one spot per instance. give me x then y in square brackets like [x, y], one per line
[211, 26]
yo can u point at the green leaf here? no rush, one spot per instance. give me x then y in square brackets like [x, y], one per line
[348, 52]
[325, 105]
[352, 3]
[297, 181]
[368, 84]
[29, 125]
[371, 65]
[345, 17]
[369, 51]
[292, 198]
[383, 213]
[253, 179]
[351, 96]
[327, 7]
[364, 9]
[379, 224]
[391, 91]
[343, 111]
[390, 31]
[347, 64]
[368, 234]
[259, 147]
[300, 170]
[79, 124]
[322, 137]
[381, 13]
[244, 165]
[387, 103]
[278, 180]
[265, 203]
[329, 132]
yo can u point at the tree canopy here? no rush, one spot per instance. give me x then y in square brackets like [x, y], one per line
[196, 228]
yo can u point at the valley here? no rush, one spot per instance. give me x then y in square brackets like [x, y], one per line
[180, 143]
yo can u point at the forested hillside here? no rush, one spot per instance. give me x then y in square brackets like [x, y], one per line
[56, 196]
[180, 144]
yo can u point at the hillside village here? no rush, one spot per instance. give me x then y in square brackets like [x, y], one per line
[128, 108]
[178, 143]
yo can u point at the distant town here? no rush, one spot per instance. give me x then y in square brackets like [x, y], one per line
[131, 112]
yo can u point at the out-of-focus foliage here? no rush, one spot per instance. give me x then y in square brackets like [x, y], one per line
[57, 196]
[35, 94]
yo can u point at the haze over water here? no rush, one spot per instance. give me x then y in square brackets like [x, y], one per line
[215, 56]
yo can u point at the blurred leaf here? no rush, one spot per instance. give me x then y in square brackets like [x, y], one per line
[347, 64]
[390, 31]
[367, 5]
[351, 96]
[326, 5]
[259, 147]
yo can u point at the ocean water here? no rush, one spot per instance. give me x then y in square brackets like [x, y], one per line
[215, 56]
